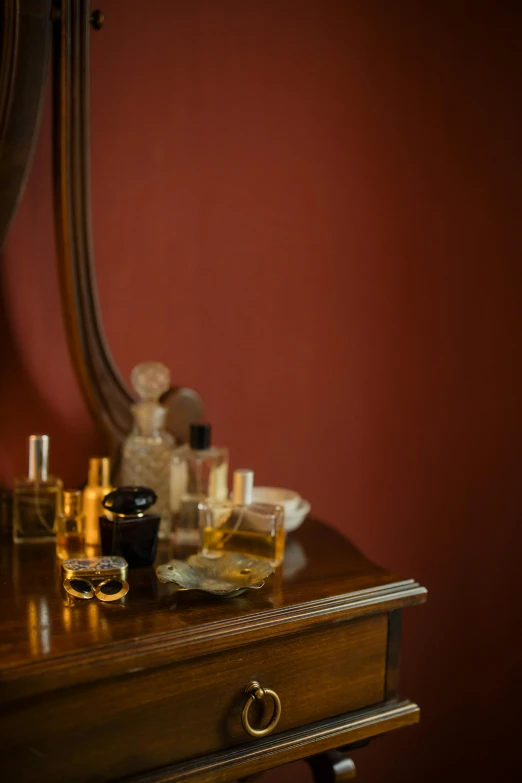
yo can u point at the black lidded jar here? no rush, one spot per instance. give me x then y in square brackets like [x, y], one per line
[127, 530]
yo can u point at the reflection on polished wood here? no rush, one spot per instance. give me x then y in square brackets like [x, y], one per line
[329, 582]
[158, 681]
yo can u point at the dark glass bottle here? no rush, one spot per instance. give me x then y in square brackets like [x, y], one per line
[126, 529]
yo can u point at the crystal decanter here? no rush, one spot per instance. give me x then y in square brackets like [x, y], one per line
[147, 452]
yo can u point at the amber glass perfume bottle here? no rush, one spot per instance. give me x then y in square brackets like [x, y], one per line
[36, 497]
[198, 471]
[70, 524]
[98, 486]
[238, 525]
[147, 451]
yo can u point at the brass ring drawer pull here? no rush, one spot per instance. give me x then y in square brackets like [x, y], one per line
[254, 691]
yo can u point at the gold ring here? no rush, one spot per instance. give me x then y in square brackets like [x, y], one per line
[255, 691]
[112, 589]
[78, 587]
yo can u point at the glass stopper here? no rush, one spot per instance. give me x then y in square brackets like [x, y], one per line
[150, 380]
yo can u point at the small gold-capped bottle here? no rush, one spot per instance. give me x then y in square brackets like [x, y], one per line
[70, 523]
[98, 486]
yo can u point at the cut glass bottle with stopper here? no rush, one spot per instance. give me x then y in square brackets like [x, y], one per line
[147, 451]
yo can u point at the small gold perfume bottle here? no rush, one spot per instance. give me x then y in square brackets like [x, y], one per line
[238, 525]
[70, 524]
[36, 497]
[99, 485]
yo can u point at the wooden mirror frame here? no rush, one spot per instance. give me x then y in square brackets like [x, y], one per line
[25, 35]
[107, 396]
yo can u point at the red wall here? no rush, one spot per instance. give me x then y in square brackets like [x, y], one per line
[310, 211]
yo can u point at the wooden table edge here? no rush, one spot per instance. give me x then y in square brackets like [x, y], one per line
[291, 745]
[122, 658]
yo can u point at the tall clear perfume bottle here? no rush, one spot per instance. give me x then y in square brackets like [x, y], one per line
[147, 452]
[70, 526]
[238, 525]
[198, 471]
[98, 485]
[36, 497]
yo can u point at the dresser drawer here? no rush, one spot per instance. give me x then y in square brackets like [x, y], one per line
[149, 719]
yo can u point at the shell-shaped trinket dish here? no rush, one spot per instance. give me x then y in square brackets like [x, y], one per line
[228, 575]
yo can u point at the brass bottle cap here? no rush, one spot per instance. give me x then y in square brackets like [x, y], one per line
[99, 472]
[72, 502]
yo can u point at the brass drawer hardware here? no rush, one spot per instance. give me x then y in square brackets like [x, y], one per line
[255, 691]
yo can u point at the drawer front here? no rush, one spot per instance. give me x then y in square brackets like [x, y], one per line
[145, 720]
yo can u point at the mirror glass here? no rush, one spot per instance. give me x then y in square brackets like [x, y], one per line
[217, 183]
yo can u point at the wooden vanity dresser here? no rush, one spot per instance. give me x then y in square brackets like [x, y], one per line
[167, 687]
[155, 689]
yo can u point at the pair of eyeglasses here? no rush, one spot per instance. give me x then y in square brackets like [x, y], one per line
[109, 590]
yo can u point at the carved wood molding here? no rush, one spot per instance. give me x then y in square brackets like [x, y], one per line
[104, 391]
[106, 394]
[288, 746]
[89, 666]
[25, 37]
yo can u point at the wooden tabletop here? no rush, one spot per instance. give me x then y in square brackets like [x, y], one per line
[47, 641]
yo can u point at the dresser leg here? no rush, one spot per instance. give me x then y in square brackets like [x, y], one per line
[332, 767]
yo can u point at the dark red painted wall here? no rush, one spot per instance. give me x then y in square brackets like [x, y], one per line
[310, 211]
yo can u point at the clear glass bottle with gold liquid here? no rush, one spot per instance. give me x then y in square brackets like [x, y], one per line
[199, 471]
[238, 525]
[98, 486]
[36, 497]
[70, 526]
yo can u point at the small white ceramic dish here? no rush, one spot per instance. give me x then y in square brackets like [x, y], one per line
[277, 496]
[295, 518]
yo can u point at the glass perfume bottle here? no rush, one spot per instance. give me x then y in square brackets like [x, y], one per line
[238, 525]
[126, 529]
[98, 485]
[36, 498]
[198, 471]
[147, 452]
[70, 526]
